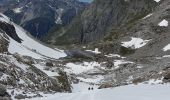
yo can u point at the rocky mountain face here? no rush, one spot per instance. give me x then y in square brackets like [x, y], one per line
[107, 24]
[10, 30]
[102, 17]
[39, 16]
[5, 4]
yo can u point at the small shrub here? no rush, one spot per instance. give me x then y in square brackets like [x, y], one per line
[126, 51]
[137, 80]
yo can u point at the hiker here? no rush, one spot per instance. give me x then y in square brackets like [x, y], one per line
[92, 88]
[89, 88]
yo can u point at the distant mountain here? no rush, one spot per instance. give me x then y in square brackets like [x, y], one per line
[107, 24]
[100, 19]
[39, 16]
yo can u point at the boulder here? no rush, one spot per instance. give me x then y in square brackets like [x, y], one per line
[106, 85]
[3, 94]
[49, 64]
[10, 30]
[167, 77]
[137, 80]
[20, 96]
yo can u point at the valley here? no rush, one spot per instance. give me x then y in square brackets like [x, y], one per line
[72, 50]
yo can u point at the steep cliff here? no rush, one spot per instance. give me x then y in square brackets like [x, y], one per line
[101, 18]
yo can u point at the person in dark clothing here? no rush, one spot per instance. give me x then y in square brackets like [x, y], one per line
[89, 88]
[92, 88]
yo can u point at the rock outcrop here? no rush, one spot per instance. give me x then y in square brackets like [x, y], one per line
[3, 93]
[9, 30]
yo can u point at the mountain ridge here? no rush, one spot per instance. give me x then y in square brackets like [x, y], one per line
[39, 16]
[101, 18]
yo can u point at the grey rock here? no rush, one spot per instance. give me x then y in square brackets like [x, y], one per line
[10, 31]
[2, 90]
[20, 96]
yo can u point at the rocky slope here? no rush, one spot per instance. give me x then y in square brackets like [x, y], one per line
[26, 72]
[39, 16]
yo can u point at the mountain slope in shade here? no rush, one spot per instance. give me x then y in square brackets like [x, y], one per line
[102, 18]
[40, 16]
[29, 46]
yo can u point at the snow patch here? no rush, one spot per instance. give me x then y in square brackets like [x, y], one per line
[34, 45]
[163, 23]
[96, 51]
[157, 0]
[135, 43]
[166, 48]
[112, 55]
[155, 81]
[147, 16]
[166, 56]
[95, 79]
[139, 66]
[80, 68]
[117, 63]
[17, 10]
[58, 18]
[15, 47]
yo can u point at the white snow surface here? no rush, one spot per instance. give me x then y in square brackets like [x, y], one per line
[135, 43]
[129, 92]
[29, 46]
[17, 10]
[15, 47]
[163, 23]
[96, 51]
[148, 16]
[166, 56]
[157, 0]
[155, 81]
[117, 63]
[80, 68]
[166, 48]
[95, 80]
[112, 55]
